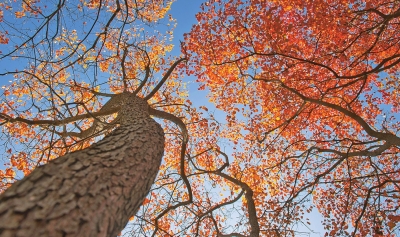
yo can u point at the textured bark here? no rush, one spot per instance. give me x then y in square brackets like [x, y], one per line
[92, 192]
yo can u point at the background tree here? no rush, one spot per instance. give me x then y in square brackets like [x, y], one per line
[314, 89]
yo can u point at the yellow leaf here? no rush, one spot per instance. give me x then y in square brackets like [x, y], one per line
[19, 14]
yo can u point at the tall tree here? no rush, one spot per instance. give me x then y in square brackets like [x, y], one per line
[315, 87]
[50, 109]
[57, 199]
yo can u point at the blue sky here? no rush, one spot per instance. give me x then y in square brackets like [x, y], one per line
[184, 11]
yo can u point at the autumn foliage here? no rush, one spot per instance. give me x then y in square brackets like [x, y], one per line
[65, 64]
[313, 88]
[310, 92]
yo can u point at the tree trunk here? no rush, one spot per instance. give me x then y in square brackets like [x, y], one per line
[92, 192]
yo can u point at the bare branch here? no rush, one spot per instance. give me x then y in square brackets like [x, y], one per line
[165, 77]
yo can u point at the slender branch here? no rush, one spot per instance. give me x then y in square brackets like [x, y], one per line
[147, 75]
[255, 228]
[58, 122]
[182, 126]
[165, 77]
[232, 235]
[389, 137]
[373, 153]
[172, 118]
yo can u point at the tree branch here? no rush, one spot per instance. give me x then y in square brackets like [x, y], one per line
[165, 77]
[389, 137]
[58, 122]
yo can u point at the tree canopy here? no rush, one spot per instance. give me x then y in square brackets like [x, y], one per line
[310, 91]
[317, 100]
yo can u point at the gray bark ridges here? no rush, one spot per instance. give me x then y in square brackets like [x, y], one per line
[92, 192]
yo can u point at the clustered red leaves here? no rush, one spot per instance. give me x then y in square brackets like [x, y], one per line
[315, 81]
